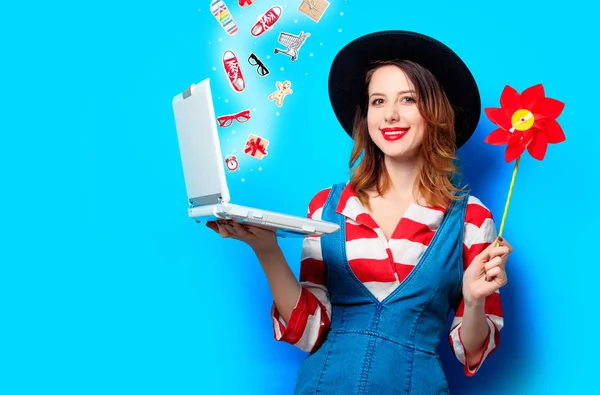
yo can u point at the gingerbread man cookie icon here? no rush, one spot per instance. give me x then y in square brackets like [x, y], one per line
[283, 89]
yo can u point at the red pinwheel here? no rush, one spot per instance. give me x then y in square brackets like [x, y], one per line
[526, 121]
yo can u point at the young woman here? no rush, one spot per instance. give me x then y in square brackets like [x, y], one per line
[373, 298]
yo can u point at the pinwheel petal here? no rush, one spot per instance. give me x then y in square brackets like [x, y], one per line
[510, 100]
[531, 95]
[554, 132]
[515, 138]
[513, 151]
[497, 137]
[499, 117]
[548, 107]
[538, 146]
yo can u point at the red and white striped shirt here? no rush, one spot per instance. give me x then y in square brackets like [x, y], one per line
[381, 266]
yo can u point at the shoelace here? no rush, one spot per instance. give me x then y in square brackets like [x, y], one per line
[268, 17]
[232, 68]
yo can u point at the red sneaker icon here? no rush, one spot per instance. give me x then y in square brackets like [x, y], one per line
[266, 21]
[234, 73]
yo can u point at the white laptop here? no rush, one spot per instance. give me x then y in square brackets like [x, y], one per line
[204, 171]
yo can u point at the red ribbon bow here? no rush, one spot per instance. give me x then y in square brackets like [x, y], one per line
[254, 146]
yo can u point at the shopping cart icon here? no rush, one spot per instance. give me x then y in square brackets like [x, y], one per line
[292, 43]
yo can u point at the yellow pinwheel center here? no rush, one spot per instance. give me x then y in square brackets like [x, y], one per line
[522, 120]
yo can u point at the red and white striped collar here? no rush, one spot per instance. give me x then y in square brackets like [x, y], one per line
[351, 207]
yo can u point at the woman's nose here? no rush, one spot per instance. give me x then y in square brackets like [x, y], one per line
[392, 114]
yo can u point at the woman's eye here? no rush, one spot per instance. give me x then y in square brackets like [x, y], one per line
[407, 99]
[377, 101]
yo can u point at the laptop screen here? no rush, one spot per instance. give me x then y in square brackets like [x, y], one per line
[203, 166]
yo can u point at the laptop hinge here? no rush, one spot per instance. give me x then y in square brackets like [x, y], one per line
[188, 92]
[205, 200]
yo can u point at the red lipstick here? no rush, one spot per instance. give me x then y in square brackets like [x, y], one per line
[393, 134]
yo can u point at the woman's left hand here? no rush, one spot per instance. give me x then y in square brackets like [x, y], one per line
[486, 274]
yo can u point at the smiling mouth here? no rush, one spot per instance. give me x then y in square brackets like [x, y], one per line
[392, 134]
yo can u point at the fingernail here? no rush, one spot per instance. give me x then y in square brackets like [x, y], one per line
[500, 238]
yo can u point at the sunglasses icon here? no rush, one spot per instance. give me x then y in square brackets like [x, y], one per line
[226, 121]
[261, 69]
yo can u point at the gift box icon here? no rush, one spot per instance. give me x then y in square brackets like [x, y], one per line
[313, 9]
[256, 146]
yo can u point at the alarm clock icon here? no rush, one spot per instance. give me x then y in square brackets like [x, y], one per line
[231, 163]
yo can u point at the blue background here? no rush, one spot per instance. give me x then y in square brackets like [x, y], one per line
[107, 287]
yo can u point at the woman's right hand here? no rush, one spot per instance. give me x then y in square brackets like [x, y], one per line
[258, 239]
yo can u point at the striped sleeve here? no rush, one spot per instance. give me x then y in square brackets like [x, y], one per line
[479, 233]
[311, 318]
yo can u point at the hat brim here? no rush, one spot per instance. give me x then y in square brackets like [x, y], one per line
[348, 70]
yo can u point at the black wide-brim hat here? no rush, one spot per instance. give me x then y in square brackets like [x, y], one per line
[349, 67]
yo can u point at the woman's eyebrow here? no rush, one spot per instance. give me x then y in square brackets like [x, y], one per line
[399, 93]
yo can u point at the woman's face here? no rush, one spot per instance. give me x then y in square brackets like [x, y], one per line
[395, 124]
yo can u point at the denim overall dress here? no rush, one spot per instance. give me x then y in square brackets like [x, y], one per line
[386, 347]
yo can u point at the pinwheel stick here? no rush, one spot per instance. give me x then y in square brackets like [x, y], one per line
[512, 184]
